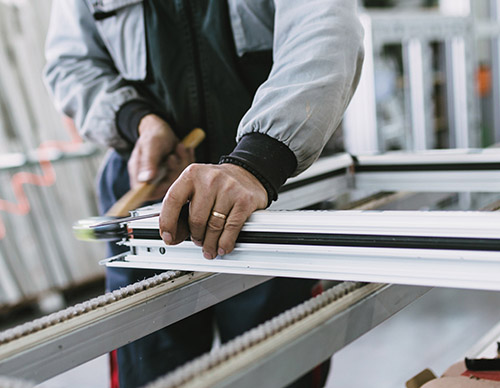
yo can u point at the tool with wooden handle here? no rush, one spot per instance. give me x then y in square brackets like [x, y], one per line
[131, 200]
[139, 194]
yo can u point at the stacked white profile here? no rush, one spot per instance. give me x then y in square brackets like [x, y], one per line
[38, 252]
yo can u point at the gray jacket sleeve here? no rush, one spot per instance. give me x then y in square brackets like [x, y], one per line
[318, 53]
[81, 75]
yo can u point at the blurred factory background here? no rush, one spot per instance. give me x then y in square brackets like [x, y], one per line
[431, 80]
[38, 253]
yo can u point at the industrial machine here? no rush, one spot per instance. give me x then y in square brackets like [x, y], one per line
[393, 249]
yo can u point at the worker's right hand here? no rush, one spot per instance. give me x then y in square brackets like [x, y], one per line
[221, 197]
[157, 153]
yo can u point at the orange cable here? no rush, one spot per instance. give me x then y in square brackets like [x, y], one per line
[47, 178]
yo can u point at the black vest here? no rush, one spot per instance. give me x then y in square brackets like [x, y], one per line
[194, 77]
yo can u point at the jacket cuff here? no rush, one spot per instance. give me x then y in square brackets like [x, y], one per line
[128, 118]
[271, 161]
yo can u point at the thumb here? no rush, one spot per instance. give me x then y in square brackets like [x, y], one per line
[148, 164]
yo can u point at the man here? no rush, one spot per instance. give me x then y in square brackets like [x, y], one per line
[137, 76]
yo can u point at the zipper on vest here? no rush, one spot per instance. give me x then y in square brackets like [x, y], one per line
[195, 54]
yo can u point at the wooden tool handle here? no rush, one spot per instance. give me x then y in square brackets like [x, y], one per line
[138, 195]
[194, 138]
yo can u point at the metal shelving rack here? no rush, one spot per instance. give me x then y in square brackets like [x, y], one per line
[455, 26]
[489, 29]
[39, 253]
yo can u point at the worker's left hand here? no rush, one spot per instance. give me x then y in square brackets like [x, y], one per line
[157, 154]
[213, 191]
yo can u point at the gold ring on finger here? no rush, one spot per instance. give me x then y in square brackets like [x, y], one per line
[219, 215]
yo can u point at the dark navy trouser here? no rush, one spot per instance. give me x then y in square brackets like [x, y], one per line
[154, 355]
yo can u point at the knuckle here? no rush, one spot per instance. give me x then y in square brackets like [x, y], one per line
[196, 222]
[247, 199]
[234, 225]
[241, 212]
[191, 170]
[215, 225]
[209, 180]
[171, 196]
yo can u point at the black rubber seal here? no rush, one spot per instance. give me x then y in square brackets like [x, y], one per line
[348, 240]
[429, 167]
[313, 179]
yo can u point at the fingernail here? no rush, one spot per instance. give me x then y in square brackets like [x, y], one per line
[221, 252]
[196, 242]
[167, 237]
[207, 256]
[145, 176]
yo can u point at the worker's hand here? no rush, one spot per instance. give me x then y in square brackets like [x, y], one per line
[224, 190]
[157, 153]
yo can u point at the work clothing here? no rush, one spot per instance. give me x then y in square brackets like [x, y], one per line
[95, 48]
[156, 354]
[268, 81]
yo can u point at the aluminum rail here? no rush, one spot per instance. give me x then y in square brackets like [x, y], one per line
[272, 355]
[79, 334]
[430, 171]
[458, 170]
[19, 160]
[51, 345]
[356, 223]
[425, 267]
[446, 249]
[327, 178]
[427, 171]
[465, 156]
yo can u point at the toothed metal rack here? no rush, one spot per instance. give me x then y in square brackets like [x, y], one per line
[53, 344]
